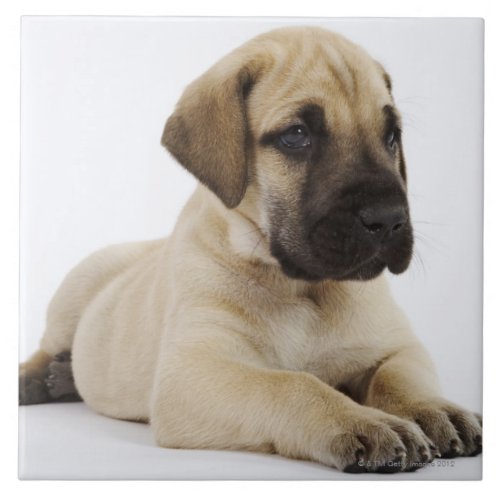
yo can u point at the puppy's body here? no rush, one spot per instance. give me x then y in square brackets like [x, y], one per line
[248, 326]
[148, 290]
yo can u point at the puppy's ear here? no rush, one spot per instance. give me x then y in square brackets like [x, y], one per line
[208, 132]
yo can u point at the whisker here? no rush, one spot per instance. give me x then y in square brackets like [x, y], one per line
[432, 243]
[419, 262]
[259, 241]
[419, 196]
[256, 230]
[430, 223]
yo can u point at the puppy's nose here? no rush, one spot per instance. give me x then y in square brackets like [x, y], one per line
[383, 221]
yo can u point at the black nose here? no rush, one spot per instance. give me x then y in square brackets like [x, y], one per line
[383, 221]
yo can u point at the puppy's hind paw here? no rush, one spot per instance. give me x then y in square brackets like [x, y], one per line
[59, 382]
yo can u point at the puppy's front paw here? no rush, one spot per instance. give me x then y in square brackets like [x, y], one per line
[454, 430]
[378, 442]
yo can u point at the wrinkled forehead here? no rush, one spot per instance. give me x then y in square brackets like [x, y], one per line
[334, 75]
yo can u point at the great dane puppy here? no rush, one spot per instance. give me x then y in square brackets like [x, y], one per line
[264, 321]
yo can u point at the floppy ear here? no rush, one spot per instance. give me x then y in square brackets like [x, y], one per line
[208, 132]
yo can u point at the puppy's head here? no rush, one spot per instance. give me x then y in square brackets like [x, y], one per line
[305, 120]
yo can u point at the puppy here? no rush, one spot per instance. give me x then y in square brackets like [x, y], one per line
[264, 321]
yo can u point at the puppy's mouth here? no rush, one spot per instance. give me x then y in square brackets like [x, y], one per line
[345, 258]
[294, 268]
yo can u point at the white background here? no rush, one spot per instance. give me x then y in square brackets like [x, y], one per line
[95, 96]
[9, 212]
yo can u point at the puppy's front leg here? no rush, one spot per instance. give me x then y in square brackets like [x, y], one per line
[209, 397]
[406, 385]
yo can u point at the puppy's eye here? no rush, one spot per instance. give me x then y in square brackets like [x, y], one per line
[295, 137]
[392, 139]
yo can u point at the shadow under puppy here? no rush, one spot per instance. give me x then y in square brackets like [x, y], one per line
[264, 321]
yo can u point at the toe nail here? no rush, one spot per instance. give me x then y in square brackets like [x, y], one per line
[399, 450]
[423, 454]
[358, 465]
[454, 449]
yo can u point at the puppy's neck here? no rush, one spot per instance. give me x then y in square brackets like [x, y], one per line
[246, 231]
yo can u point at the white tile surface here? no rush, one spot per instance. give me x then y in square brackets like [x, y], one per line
[70, 441]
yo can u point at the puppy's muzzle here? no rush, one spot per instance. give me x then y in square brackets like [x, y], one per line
[362, 233]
